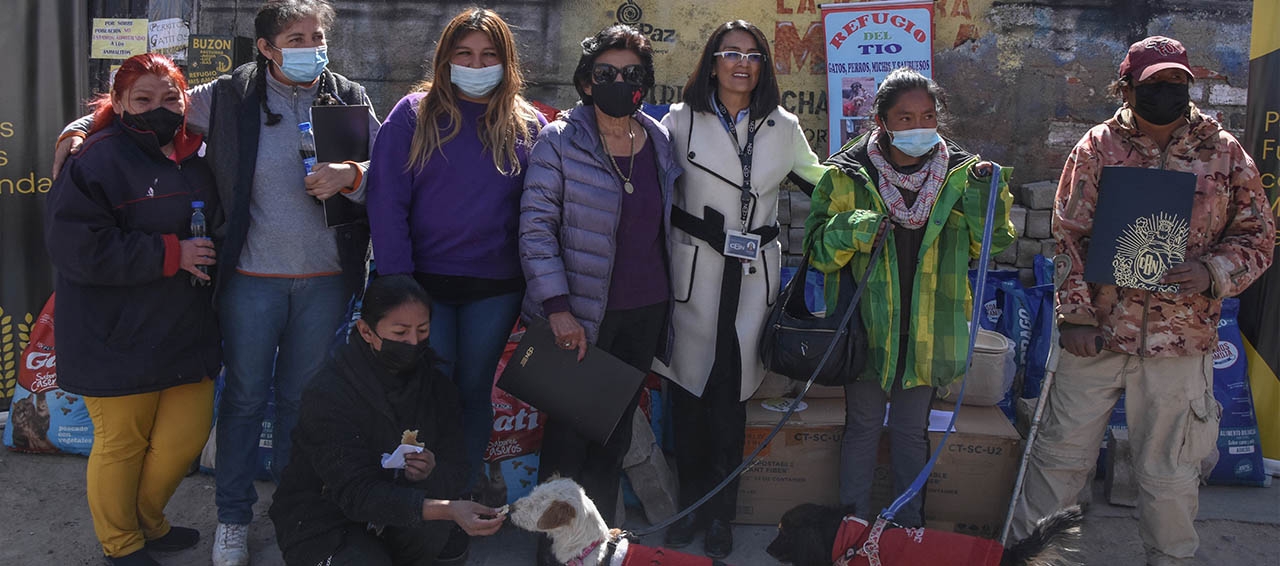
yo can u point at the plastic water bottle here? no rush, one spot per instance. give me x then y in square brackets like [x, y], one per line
[308, 149]
[198, 230]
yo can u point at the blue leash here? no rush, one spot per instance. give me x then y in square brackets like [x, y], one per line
[984, 259]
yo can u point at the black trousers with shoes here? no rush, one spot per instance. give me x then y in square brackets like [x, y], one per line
[631, 335]
[710, 433]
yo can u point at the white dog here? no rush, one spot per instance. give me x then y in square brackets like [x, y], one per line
[579, 536]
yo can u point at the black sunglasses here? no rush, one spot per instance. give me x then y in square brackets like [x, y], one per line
[604, 73]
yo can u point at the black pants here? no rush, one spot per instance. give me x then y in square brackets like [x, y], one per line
[710, 432]
[632, 336]
[396, 546]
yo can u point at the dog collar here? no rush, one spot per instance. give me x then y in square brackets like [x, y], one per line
[582, 556]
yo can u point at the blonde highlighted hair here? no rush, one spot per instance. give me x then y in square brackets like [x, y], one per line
[505, 123]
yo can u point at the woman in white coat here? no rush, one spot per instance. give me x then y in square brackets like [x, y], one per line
[725, 260]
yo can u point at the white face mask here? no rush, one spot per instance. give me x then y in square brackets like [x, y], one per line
[475, 83]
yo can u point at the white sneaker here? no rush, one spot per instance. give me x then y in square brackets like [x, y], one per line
[230, 545]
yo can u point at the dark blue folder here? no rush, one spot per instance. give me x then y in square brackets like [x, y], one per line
[1140, 227]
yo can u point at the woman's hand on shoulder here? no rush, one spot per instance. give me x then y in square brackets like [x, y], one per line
[69, 146]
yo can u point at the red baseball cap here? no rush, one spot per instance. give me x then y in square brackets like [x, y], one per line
[1154, 54]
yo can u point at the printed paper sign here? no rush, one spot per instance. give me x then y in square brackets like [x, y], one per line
[169, 37]
[209, 56]
[865, 42]
[115, 38]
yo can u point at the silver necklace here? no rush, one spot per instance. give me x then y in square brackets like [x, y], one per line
[626, 179]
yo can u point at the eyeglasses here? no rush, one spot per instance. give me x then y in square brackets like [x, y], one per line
[604, 73]
[735, 56]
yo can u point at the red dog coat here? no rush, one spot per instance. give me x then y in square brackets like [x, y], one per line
[900, 547]
[638, 555]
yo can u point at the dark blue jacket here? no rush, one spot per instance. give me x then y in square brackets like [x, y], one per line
[127, 320]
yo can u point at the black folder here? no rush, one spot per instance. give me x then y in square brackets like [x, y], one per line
[342, 134]
[590, 395]
[1140, 227]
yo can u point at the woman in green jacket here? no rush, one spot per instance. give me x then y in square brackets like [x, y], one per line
[917, 301]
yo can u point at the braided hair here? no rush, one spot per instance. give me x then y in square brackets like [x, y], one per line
[272, 18]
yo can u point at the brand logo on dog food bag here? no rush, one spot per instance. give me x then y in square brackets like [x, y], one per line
[993, 311]
[1225, 355]
[41, 371]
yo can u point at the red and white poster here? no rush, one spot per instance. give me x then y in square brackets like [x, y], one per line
[865, 42]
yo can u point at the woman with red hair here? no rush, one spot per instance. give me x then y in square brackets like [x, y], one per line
[136, 331]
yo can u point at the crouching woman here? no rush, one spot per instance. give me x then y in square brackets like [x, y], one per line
[336, 504]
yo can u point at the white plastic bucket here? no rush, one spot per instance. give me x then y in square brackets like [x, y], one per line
[991, 374]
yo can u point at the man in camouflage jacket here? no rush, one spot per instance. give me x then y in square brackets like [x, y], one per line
[1153, 347]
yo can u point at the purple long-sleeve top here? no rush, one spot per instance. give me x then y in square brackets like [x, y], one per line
[456, 215]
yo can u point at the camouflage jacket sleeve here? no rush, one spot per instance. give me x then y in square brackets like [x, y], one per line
[1073, 210]
[1244, 249]
[836, 228]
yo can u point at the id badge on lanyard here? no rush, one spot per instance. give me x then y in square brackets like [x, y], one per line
[742, 245]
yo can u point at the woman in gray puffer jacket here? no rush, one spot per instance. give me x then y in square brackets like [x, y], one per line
[594, 240]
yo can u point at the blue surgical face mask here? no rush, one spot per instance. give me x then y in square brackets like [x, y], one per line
[915, 142]
[303, 65]
[475, 83]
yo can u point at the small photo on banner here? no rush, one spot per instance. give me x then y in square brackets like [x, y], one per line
[1140, 227]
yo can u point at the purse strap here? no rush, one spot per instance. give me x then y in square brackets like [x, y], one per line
[849, 293]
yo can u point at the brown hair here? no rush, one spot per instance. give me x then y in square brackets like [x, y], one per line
[506, 121]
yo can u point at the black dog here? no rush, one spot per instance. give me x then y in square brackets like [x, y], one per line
[807, 534]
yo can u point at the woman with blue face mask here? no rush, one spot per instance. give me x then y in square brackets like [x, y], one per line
[934, 195]
[287, 277]
[444, 200]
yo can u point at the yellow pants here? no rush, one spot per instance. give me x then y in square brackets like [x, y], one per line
[143, 445]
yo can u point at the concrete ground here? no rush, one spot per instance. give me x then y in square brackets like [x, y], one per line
[44, 521]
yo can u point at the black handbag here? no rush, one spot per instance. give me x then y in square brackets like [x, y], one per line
[795, 341]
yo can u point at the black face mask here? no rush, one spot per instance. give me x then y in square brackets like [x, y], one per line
[400, 357]
[1161, 103]
[618, 99]
[161, 121]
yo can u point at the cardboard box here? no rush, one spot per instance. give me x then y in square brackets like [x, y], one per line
[967, 492]
[969, 489]
[775, 386]
[801, 465]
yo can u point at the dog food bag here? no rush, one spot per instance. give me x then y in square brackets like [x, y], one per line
[1239, 447]
[511, 458]
[990, 305]
[813, 282]
[42, 417]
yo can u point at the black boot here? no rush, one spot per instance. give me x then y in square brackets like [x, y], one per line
[682, 532]
[719, 541]
[455, 549]
[138, 558]
[178, 538]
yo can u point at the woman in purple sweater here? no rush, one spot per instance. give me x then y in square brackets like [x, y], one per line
[444, 202]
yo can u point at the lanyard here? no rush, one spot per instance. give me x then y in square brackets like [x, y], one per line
[744, 154]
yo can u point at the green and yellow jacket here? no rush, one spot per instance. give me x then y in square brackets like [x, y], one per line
[847, 211]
